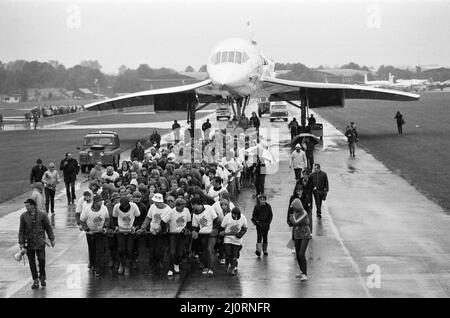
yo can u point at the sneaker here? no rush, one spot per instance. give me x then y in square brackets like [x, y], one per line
[120, 270]
[170, 273]
[176, 268]
[210, 272]
[258, 253]
[266, 253]
[89, 266]
[293, 251]
[303, 278]
[35, 284]
[222, 261]
[127, 271]
[234, 271]
[43, 283]
[299, 274]
[205, 271]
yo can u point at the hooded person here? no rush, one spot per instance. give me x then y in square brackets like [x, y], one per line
[301, 233]
[37, 196]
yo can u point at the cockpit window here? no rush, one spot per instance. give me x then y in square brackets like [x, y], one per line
[230, 57]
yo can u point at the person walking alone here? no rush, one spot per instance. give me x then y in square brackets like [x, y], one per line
[301, 233]
[261, 218]
[50, 180]
[320, 188]
[70, 169]
[298, 161]
[33, 226]
[37, 172]
[400, 122]
[352, 138]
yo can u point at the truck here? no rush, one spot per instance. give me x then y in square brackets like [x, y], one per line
[278, 110]
[263, 106]
[223, 111]
[103, 146]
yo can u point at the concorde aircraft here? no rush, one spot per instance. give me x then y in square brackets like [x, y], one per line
[237, 71]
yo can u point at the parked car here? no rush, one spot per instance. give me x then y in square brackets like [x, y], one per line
[263, 107]
[278, 110]
[103, 146]
[223, 111]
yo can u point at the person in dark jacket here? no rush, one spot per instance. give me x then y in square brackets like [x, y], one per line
[70, 169]
[254, 121]
[261, 218]
[33, 226]
[137, 153]
[400, 122]
[320, 188]
[37, 172]
[352, 138]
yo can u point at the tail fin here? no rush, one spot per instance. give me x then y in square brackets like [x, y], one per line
[391, 78]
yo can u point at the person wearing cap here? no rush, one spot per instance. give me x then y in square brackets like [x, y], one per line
[94, 221]
[37, 196]
[233, 227]
[178, 220]
[157, 240]
[261, 218]
[112, 238]
[70, 168]
[34, 224]
[205, 225]
[298, 161]
[138, 221]
[37, 172]
[299, 221]
[125, 212]
[50, 179]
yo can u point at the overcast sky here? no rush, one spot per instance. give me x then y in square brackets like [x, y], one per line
[179, 33]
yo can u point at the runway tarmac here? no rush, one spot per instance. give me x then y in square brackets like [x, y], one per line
[379, 237]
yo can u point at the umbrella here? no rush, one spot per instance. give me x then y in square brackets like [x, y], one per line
[297, 139]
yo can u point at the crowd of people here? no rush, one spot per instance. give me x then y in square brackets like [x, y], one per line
[171, 209]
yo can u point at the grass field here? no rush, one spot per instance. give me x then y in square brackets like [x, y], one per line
[20, 149]
[421, 155]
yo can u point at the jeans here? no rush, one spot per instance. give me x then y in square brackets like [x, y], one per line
[125, 244]
[158, 245]
[298, 173]
[318, 200]
[49, 199]
[260, 179]
[351, 147]
[231, 254]
[261, 235]
[70, 190]
[177, 244]
[40, 254]
[97, 249]
[208, 242]
[400, 129]
[112, 247]
[300, 249]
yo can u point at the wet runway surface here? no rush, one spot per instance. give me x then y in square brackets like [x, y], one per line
[378, 237]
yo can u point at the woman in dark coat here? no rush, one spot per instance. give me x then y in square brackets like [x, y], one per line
[261, 218]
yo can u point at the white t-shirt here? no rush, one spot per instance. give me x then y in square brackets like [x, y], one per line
[204, 220]
[216, 206]
[177, 220]
[112, 178]
[215, 194]
[81, 203]
[94, 220]
[233, 226]
[156, 215]
[125, 220]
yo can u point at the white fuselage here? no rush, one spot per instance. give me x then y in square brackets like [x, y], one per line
[235, 67]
